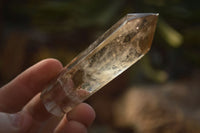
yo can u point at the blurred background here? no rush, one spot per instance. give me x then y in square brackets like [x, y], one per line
[159, 94]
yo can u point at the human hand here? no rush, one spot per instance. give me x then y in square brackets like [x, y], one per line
[22, 111]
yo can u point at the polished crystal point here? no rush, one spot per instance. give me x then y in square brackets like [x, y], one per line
[111, 54]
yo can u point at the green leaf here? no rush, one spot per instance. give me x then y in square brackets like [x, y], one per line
[169, 34]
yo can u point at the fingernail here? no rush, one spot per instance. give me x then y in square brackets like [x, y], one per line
[16, 120]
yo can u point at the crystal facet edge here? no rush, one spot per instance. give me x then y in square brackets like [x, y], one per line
[132, 16]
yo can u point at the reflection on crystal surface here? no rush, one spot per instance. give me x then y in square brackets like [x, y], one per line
[111, 54]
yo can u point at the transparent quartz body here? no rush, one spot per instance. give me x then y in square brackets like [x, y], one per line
[111, 54]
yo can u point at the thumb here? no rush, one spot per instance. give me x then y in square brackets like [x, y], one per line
[15, 123]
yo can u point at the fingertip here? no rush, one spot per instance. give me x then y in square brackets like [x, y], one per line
[87, 111]
[52, 63]
[71, 127]
[83, 113]
[49, 66]
[25, 86]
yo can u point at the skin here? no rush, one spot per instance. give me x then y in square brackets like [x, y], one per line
[22, 111]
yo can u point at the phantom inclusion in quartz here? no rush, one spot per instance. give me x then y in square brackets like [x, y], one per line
[111, 54]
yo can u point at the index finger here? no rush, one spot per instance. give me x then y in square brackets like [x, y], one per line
[23, 88]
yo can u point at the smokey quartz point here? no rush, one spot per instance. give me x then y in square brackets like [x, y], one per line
[111, 54]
